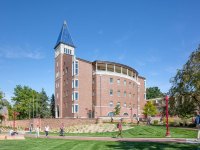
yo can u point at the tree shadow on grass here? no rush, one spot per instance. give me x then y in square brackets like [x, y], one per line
[153, 145]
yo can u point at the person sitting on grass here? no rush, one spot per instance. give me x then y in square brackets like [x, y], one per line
[119, 126]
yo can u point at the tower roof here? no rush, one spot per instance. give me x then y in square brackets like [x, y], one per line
[64, 36]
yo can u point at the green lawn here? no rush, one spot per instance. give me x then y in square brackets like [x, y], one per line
[51, 144]
[143, 131]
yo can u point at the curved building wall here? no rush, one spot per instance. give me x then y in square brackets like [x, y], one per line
[111, 88]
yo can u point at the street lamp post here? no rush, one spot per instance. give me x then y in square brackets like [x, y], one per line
[167, 125]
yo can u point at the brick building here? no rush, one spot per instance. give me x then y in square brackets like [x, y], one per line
[85, 89]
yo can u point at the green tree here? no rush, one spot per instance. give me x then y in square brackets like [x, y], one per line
[149, 109]
[117, 110]
[24, 102]
[52, 106]
[185, 90]
[1, 100]
[154, 92]
[43, 105]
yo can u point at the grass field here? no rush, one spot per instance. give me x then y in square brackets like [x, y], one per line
[143, 131]
[51, 144]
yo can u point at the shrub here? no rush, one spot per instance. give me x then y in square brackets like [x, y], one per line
[155, 122]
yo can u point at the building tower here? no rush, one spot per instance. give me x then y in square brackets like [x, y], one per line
[64, 58]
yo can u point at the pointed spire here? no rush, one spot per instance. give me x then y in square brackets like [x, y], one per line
[64, 36]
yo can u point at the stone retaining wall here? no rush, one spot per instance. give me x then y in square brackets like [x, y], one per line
[54, 123]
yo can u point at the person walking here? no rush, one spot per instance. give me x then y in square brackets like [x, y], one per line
[37, 130]
[197, 122]
[62, 129]
[46, 130]
[138, 120]
[119, 126]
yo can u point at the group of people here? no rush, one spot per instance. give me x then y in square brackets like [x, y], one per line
[119, 126]
[46, 130]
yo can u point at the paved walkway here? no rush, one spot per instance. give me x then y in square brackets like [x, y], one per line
[85, 138]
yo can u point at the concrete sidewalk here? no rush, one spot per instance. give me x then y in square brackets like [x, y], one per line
[85, 138]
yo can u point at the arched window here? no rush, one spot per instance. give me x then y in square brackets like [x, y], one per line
[125, 114]
[110, 114]
[111, 104]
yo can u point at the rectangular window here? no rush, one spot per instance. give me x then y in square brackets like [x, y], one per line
[76, 83]
[76, 108]
[111, 92]
[124, 82]
[118, 81]
[76, 68]
[124, 93]
[72, 68]
[124, 104]
[111, 104]
[118, 93]
[118, 103]
[111, 80]
[75, 95]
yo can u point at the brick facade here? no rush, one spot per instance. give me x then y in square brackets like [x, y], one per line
[92, 98]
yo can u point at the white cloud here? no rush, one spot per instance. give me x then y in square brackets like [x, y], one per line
[15, 52]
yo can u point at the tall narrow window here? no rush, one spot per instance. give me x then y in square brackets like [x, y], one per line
[118, 93]
[73, 72]
[76, 83]
[111, 80]
[118, 103]
[111, 104]
[76, 96]
[76, 108]
[124, 82]
[118, 81]
[76, 68]
[111, 92]
[124, 93]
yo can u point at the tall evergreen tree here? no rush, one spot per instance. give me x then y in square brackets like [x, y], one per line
[43, 105]
[52, 106]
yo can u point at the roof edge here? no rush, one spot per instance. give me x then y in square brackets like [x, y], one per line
[109, 62]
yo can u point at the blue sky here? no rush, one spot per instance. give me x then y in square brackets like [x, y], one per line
[154, 37]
